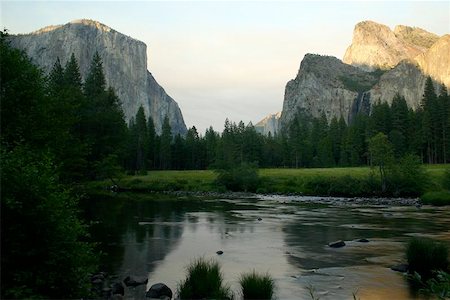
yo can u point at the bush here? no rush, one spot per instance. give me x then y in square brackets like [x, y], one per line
[256, 286]
[43, 253]
[244, 177]
[204, 281]
[436, 198]
[425, 256]
[407, 178]
[438, 286]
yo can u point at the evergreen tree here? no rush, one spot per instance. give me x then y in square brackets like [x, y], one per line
[95, 84]
[151, 143]
[165, 145]
[430, 120]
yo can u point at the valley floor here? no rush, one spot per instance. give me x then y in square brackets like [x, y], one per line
[312, 181]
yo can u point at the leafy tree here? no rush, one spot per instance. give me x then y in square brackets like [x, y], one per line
[381, 155]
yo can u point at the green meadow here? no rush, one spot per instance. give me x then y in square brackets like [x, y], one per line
[309, 181]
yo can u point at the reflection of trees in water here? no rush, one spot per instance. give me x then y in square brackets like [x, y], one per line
[131, 247]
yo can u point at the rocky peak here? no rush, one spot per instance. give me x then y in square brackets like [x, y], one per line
[325, 85]
[124, 63]
[415, 36]
[269, 124]
[376, 46]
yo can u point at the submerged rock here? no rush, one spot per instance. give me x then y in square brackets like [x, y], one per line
[403, 268]
[363, 241]
[117, 289]
[159, 291]
[133, 281]
[337, 244]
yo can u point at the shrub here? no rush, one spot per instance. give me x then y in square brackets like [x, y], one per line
[425, 256]
[440, 198]
[244, 177]
[438, 286]
[204, 281]
[407, 178]
[256, 286]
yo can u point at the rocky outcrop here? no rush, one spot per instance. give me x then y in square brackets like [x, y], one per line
[379, 64]
[325, 85]
[269, 124]
[376, 46]
[124, 62]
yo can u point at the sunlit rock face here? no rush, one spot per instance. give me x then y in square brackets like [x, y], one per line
[436, 60]
[377, 46]
[124, 62]
[406, 56]
[269, 125]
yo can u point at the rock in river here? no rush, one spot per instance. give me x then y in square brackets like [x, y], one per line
[402, 268]
[337, 244]
[133, 281]
[159, 291]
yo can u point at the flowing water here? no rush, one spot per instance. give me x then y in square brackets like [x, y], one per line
[156, 236]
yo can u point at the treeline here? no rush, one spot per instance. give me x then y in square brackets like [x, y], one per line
[55, 131]
[306, 142]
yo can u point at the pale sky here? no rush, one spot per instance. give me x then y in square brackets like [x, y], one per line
[229, 59]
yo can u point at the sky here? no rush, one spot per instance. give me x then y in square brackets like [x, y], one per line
[229, 59]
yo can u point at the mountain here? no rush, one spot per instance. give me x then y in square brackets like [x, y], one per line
[325, 85]
[269, 124]
[377, 46]
[124, 62]
[378, 64]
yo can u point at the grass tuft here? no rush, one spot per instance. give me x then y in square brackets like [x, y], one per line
[257, 286]
[426, 256]
[204, 281]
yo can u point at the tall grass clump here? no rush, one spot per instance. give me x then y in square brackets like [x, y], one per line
[446, 179]
[257, 286]
[204, 281]
[425, 256]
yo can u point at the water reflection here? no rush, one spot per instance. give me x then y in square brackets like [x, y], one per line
[157, 236]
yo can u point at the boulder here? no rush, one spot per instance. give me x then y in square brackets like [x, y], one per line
[363, 240]
[159, 291]
[134, 281]
[220, 252]
[117, 289]
[402, 268]
[337, 244]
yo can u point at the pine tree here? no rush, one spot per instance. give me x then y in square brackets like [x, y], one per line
[95, 83]
[165, 153]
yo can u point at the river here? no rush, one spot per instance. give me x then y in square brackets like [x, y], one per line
[156, 236]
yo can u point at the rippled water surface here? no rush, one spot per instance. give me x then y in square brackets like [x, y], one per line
[158, 235]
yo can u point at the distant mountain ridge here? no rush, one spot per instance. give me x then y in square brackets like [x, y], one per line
[124, 62]
[377, 65]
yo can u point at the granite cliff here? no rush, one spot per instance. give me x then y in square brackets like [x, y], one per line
[269, 124]
[379, 64]
[124, 62]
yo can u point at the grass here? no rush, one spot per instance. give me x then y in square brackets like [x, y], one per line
[204, 281]
[426, 256]
[256, 286]
[337, 181]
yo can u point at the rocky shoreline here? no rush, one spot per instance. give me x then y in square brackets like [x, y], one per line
[291, 197]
